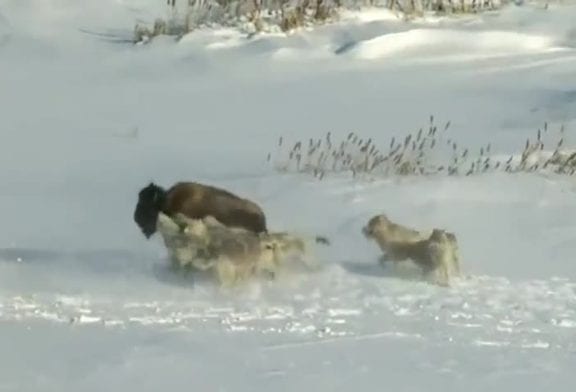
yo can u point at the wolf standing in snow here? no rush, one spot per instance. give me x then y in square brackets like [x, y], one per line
[436, 254]
[387, 233]
[440, 261]
[288, 246]
[196, 201]
[233, 254]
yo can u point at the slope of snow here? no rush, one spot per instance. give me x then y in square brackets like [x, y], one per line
[424, 41]
[87, 303]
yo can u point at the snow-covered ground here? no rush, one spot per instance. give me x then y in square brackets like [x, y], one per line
[86, 303]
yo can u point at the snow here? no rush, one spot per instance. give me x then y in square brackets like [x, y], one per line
[87, 303]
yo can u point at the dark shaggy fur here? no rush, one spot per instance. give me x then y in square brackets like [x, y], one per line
[196, 201]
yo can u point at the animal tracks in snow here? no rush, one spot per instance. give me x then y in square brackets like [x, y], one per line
[480, 311]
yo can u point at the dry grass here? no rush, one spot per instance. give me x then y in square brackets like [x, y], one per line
[253, 15]
[256, 16]
[422, 153]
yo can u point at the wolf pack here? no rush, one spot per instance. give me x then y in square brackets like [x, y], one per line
[209, 229]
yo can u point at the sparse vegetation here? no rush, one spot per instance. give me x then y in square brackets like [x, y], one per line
[422, 153]
[256, 16]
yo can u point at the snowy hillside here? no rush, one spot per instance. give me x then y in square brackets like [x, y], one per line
[86, 303]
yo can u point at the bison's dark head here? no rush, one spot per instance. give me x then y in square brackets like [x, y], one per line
[150, 200]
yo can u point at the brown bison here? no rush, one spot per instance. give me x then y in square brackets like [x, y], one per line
[196, 201]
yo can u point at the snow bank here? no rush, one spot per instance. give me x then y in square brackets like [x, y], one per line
[427, 43]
